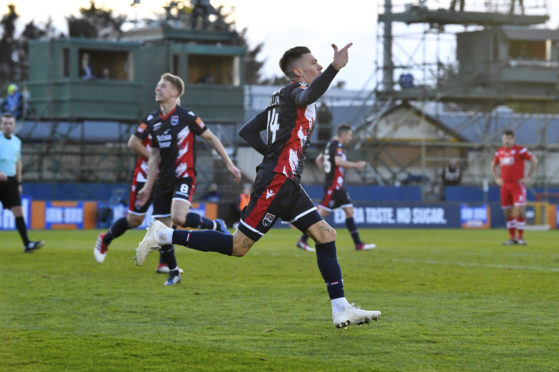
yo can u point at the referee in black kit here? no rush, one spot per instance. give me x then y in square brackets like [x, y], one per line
[10, 178]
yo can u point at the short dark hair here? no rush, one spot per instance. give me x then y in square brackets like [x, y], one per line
[8, 115]
[175, 80]
[290, 56]
[343, 128]
[508, 132]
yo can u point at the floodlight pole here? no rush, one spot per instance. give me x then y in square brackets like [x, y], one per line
[388, 71]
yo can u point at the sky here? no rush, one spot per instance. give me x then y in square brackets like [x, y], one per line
[279, 24]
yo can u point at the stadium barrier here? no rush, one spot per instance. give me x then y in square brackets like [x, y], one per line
[475, 216]
[412, 215]
[7, 220]
[63, 215]
[77, 215]
[117, 211]
[91, 214]
[541, 216]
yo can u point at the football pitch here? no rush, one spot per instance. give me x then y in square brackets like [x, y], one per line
[451, 300]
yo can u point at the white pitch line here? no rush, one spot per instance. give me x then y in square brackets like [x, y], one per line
[494, 266]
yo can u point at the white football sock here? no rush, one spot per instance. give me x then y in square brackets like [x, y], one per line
[339, 304]
[165, 236]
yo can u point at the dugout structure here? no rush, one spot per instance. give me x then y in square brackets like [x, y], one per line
[77, 126]
[125, 72]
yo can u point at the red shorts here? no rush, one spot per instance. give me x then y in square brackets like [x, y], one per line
[513, 193]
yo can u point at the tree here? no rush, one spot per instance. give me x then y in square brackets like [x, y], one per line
[253, 66]
[14, 59]
[8, 45]
[94, 22]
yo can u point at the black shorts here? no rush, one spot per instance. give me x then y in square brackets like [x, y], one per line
[164, 194]
[9, 193]
[276, 196]
[335, 198]
[132, 208]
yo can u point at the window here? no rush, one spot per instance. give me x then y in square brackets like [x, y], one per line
[65, 62]
[212, 69]
[175, 64]
[527, 50]
[103, 64]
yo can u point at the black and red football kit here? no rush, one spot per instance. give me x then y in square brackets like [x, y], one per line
[335, 195]
[174, 136]
[289, 121]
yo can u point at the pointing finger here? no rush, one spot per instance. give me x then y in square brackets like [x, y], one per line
[347, 46]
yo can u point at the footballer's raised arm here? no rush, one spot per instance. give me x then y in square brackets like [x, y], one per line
[316, 89]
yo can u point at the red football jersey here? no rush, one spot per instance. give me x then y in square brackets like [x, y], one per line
[511, 162]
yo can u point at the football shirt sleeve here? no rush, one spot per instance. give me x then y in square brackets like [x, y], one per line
[304, 97]
[18, 149]
[142, 131]
[525, 154]
[250, 132]
[196, 124]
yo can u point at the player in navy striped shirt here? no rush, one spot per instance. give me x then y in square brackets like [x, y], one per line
[171, 172]
[289, 121]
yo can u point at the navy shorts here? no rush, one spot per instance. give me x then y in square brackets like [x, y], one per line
[335, 198]
[164, 194]
[276, 196]
[9, 193]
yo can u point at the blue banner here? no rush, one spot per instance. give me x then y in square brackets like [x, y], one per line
[64, 214]
[7, 220]
[398, 215]
[475, 216]
[120, 210]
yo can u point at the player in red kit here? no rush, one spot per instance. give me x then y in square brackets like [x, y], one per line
[510, 159]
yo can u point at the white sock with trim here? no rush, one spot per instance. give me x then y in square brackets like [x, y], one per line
[165, 236]
[339, 304]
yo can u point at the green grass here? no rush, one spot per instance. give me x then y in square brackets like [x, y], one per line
[451, 300]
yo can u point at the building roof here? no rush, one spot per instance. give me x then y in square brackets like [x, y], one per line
[530, 34]
[433, 120]
[530, 129]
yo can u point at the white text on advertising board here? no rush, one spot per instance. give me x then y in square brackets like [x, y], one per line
[393, 215]
[64, 215]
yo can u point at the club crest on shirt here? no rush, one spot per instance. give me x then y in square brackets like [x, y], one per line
[268, 219]
[142, 127]
[200, 122]
[507, 160]
[174, 120]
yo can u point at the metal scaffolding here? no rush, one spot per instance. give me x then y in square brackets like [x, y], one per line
[423, 45]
